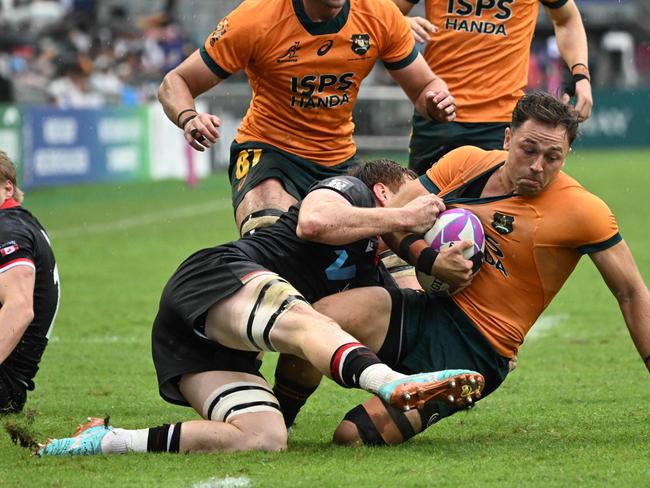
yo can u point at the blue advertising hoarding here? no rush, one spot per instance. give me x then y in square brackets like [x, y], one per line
[85, 145]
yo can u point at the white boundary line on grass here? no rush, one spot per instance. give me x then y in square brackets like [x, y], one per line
[214, 482]
[544, 324]
[140, 220]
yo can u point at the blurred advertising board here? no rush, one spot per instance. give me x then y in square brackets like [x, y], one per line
[11, 126]
[85, 145]
[620, 118]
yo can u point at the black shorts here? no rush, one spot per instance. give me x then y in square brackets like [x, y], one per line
[431, 140]
[13, 393]
[429, 333]
[253, 162]
[178, 345]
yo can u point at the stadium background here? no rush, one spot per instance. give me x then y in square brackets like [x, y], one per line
[125, 202]
[113, 129]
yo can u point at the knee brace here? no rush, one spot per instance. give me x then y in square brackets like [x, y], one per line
[258, 219]
[238, 398]
[274, 296]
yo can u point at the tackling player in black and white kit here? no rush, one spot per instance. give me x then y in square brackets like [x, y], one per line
[224, 304]
[29, 293]
[314, 269]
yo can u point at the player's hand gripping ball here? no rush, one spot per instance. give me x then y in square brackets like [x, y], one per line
[452, 226]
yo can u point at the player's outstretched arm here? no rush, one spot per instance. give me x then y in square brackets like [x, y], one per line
[327, 217]
[177, 92]
[572, 43]
[620, 272]
[17, 311]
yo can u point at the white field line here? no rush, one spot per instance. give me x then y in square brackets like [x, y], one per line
[544, 324]
[139, 220]
[113, 339]
[214, 482]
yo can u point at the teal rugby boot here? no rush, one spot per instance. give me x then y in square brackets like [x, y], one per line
[460, 387]
[86, 441]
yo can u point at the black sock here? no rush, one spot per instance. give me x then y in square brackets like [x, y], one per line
[349, 361]
[160, 441]
[291, 397]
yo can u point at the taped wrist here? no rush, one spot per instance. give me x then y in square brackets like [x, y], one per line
[579, 71]
[426, 259]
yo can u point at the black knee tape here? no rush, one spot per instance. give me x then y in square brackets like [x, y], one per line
[368, 433]
[402, 423]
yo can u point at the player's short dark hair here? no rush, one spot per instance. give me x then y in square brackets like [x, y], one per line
[8, 173]
[383, 171]
[546, 109]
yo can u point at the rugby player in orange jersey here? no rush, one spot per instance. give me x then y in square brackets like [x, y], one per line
[538, 222]
[305, 60]
[481, 48]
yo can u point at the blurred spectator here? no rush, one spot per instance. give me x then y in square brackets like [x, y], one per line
[73, 89]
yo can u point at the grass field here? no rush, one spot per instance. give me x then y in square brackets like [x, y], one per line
[575, 412]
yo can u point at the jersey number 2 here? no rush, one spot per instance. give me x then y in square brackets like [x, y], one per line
[336, 271]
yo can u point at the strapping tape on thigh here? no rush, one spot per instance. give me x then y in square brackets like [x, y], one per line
[238, 398]
[259, 219]
[273, 297]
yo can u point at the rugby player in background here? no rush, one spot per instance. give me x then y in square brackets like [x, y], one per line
[29, 292]
[482, 50]
[305, 60]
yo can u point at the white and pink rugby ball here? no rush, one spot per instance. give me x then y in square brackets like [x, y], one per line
[452, 226]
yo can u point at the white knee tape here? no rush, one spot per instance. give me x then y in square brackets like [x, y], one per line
[238, 398]
[274, 296]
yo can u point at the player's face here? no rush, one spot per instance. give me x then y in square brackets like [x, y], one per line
[6, 191]
[536, 154]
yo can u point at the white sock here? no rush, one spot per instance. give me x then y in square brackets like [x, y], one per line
[373, 377]
[119, 441]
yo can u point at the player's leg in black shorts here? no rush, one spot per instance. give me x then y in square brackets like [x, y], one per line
[431, 140]
[179, 345]
[251, 163]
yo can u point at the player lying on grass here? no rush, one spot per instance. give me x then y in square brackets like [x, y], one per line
[538, 223]
[29, 292]
[224, 304]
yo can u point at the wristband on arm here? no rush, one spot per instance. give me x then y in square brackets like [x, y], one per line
[426, 259]
[185, 121]
[579, 71]
[405, 247]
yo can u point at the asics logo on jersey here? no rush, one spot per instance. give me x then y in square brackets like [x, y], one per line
[324, 49]
[290, 56]
[360, 43]
[502, 223]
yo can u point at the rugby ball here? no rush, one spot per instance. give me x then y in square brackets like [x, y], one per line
[452, 226]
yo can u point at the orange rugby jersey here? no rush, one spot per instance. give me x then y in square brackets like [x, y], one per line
[482, 52]
[532, 244]
[305, 76]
